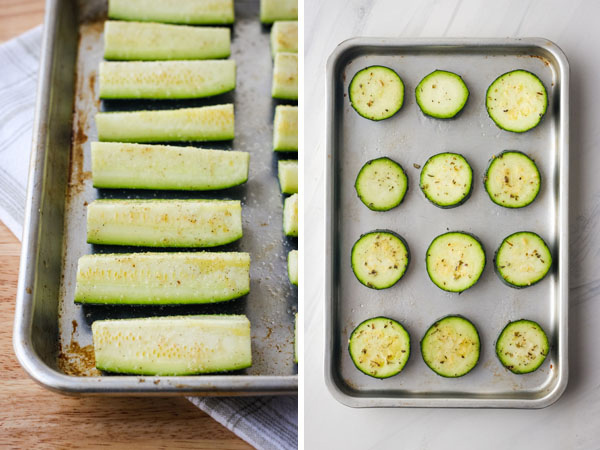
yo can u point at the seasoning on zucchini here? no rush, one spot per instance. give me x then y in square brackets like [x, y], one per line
[512, 179]
[287, 172]
[517, 101]
[285, 76]
[447, 180]
[376, 92]
[522, 259]
[290, 216]
[293, 267]
[197, 12]
[381, 184]
[380, 258]
[451, 347]
[284, 37]
[379, 347]
[455, 261]
[442, 94]
[173, 345]
[285, 129]
[522, 346]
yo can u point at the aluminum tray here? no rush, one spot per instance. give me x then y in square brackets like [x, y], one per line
[52, 335]
[410, 138]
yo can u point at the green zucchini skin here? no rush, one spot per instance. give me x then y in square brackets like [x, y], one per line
[285, 129]
[273, 10]
[287, 172]
[449, 162]
[375, 336]
[285, 76]
[376, 92]
[452, 101]
[381, 184]
[293, 267]
[290, 216]
[529, 354]
[498, 184]
[539, 260]
[284, 37]
[195, 12]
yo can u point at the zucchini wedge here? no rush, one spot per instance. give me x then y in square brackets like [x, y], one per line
[166, 79]
[196, 12]
[157, 41]
[287, 171]
[442, 94]
[522, 346]
[272, 10]
[285, 76]
[285, 129]
[381, 184]
[284, 37]
[512, 179]
[376, 92]
[293, 267]
[451, 347]
[523, 259]
[290, 216]
[175, 345]
[517, 101]
[164, 223]
[379, 347]
[447, 180]
[207, 123]
[162, 278]
[117, 165]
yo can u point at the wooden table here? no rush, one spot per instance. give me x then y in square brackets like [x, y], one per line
[31, 416]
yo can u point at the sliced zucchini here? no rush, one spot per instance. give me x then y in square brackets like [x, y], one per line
[455, 261]
[287, 171]
[157, 41]
[376, 92]
[522, 346]
[207, 123]
[451, 347]
[284, 37]
[517, 101]
[380, 258]
[379, 347]
[522, 259]
[164, 223]
[447, 180]
[272, 10]
[290, 216]
[196, 12]
[146, 166]
[293, 267]
[176, 345]
[285, 129]
[162, 278]
[381, 184]
[296, 338]
[166, 79]
[442, 94]
[512, 179]
[285, 76]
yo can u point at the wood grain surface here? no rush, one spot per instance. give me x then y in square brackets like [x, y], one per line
[33, 417]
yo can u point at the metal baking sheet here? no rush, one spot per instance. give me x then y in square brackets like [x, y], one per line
[411, 138]
[53, 335]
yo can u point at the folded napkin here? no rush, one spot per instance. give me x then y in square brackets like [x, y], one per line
[263, 422]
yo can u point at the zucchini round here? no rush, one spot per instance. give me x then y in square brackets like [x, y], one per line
[516, 101]
[380, 259]
[442, 94]
[522, 346]
[512, 179]
[381, 184]
[379, 347]
[376, 92]
[451, 347]
[522, 259]
[455, 261]
[447, 180]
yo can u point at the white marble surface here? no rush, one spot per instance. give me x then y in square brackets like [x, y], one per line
[574, 421]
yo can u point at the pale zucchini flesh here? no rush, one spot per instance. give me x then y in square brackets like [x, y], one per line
[164, 167]
[376, 92]
[272, 10]
[442, 94]
[162, 278]
[381, 184]
[522, 346]
[284, 37]
[512, 179]
[196, 12]
[290, 216]
[285, 129]
[175, 345]
[287, 171]
[157, 41]
[208, 123]
[447, 180]
[293, 267]
[523, 259]
[164, 223]
[285, 76]
[166, 79]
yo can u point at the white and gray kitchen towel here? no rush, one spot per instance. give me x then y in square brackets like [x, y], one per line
[263, 422]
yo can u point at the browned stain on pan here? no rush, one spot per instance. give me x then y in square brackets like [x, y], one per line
[76, 360]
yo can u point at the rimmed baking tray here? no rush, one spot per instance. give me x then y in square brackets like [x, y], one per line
[52, 335]
[410, 138]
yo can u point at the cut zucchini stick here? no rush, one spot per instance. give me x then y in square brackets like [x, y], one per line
[290, 216]
[195, 12]
[164, 223]
[293, 267]
[285, 76]
[284, 37]
[381, 184]
[176, 345]
[522, 346]
[287, 170]
[522, 259]
[208, 123]
[447, 180]
[162, 278]
[379, 347]
[512, 179]
[376, 92]
[272, 10]
[157, 41]
[442, 94]
[166, 79]
[285, 129]
[145, 166]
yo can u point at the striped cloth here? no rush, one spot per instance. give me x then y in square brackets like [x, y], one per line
[263, 422]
